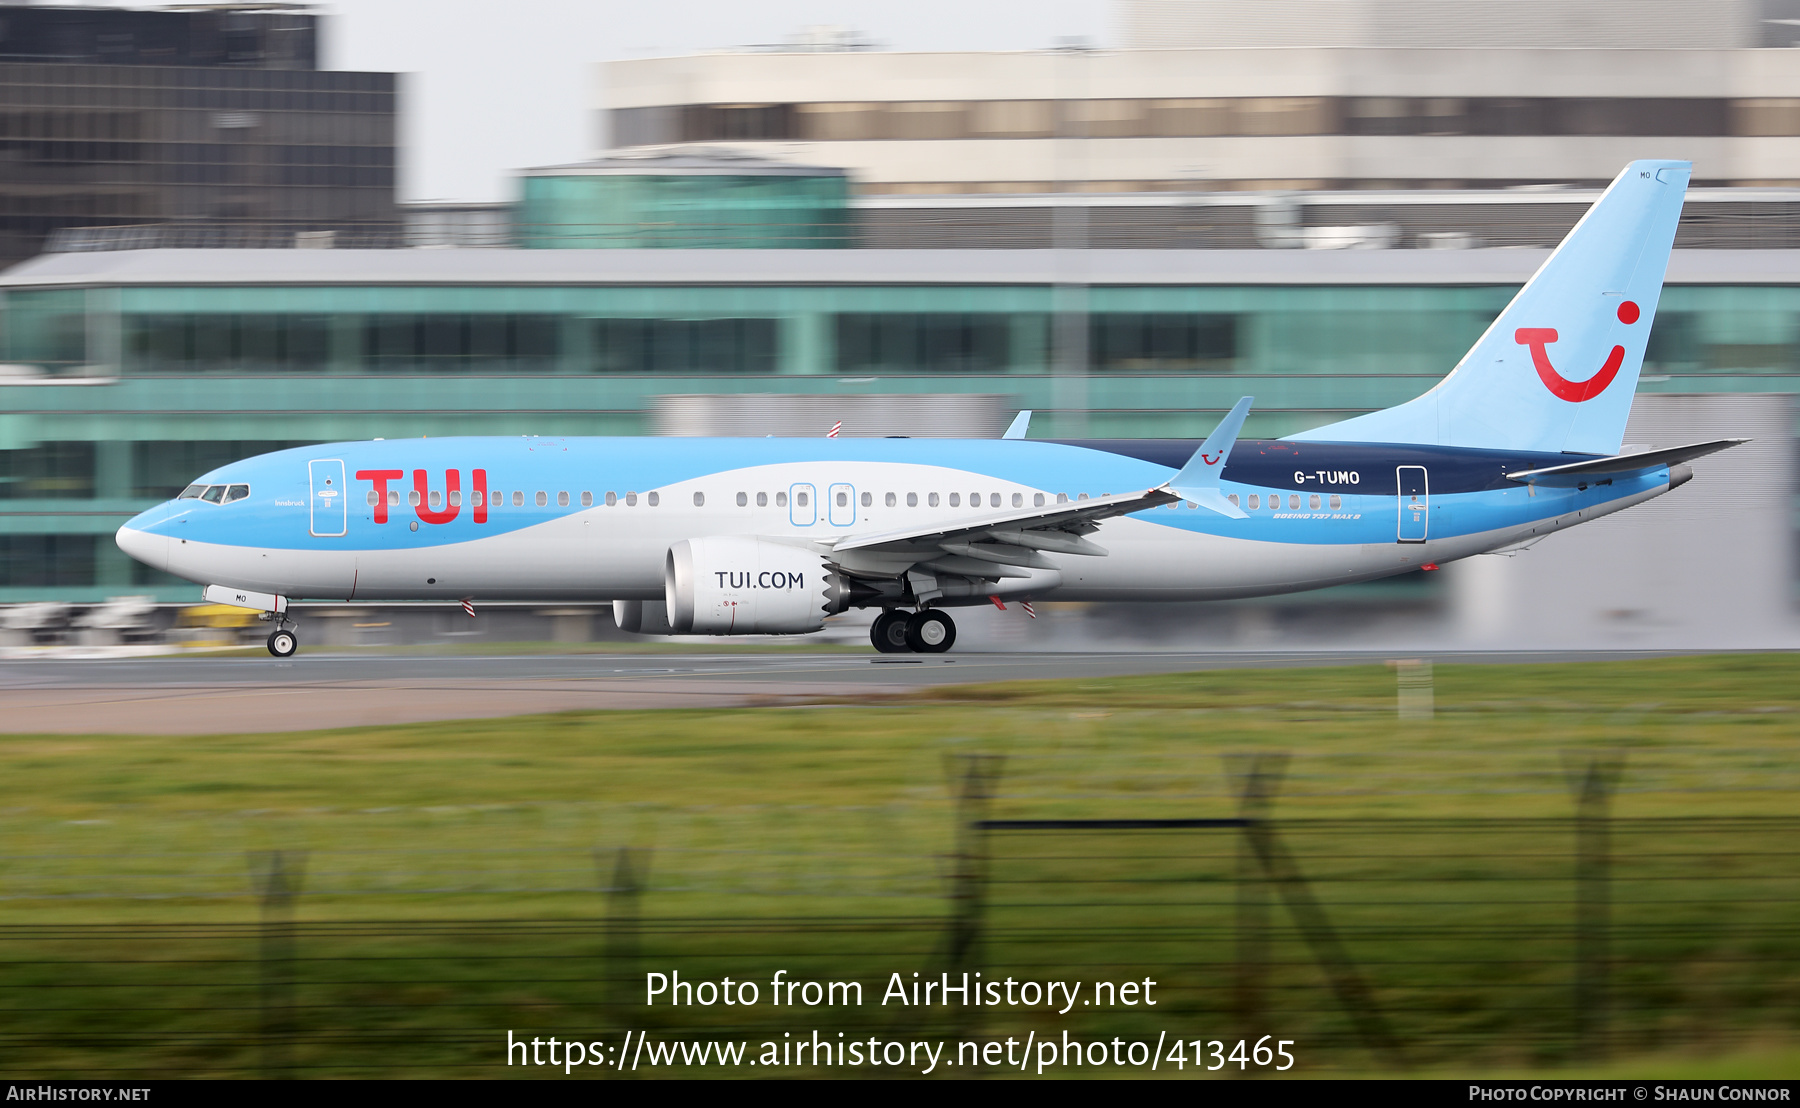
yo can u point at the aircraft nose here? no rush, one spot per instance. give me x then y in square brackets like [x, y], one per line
[150, 549]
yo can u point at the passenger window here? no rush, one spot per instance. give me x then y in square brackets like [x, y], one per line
[956, 500]
[192, 492]
[1255, 502]
[612, 499]
[1293, 501]
[587, 499]
[931, 500]
[699, 500]
[1081, 496]
[393, 498]
[413, 498]
[868, 499]
[542, 498]
[843, 499]
[630, 499]
[1191, 505]
[437, 499]
[912, 500]
[653, 499]
[1018, 500]
[1234, 500]
[374, 498]
[975, 500]
[562, 499]
[892, 500]
[743, 500]
[456, 498]
[236, 492]
[1313, 501]
[518, 499]
[800, 499]
[1337, 502]
[762, 500]
[1062, 498]
[1037, 500]
[994, 499]
[781, 500]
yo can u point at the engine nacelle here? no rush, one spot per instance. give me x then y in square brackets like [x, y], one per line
[740, 585]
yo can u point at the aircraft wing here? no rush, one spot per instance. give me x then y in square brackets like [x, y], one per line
[1056, 527]
[1590, 470]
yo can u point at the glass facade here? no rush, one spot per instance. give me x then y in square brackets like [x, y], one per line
[568, 210]
[169, 381]
[212, 148]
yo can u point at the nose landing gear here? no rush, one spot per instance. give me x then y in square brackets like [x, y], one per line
[283, 641]
[926, 632]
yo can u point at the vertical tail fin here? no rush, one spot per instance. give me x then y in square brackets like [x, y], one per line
[1558, 369]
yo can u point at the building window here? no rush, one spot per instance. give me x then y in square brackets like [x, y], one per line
[28, 561]
[685, 346]
[924, 343]
[58, 471]
[1162, 342]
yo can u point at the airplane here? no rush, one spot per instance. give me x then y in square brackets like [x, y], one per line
[773, 535]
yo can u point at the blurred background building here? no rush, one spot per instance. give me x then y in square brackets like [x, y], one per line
[1321, 203]
[212, 124]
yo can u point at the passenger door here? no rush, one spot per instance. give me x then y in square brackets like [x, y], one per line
[330, 514]
[803, 508]
[843, 505]
[1415, 503]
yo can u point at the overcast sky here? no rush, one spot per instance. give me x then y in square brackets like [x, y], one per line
[492, 86]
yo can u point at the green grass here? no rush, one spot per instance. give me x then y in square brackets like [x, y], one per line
[822, 840]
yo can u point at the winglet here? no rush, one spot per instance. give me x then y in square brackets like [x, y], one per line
[1199, 479]
[1019, 424]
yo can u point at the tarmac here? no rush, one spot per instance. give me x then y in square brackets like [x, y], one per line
[320, 690]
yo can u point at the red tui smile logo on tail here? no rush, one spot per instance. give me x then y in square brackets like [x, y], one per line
[1539, 338]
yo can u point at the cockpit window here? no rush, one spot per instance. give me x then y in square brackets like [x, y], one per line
[192, 492]
[236, 492]
[213, 494]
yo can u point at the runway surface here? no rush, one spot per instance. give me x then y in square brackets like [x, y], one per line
[201, 695]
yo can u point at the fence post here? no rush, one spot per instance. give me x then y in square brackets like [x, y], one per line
[277, 876]
[630, 866]
[1593, 899]
[1257, 776]
[974, 777]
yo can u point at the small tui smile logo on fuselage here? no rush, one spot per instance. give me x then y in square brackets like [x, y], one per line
[1575, 392]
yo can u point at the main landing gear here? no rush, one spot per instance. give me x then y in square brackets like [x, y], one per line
[924, 632]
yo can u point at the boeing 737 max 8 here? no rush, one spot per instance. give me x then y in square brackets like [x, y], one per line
[771, 536]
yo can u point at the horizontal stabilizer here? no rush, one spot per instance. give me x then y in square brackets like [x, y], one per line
[1596, 469]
